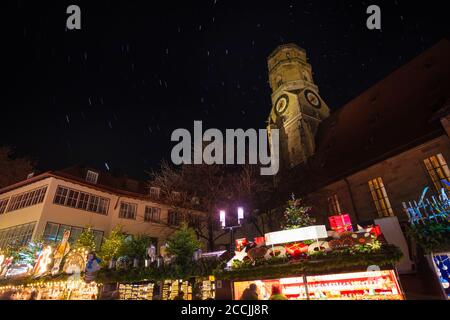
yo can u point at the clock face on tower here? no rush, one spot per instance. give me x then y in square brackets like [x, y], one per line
[312, 98]
[281, 104]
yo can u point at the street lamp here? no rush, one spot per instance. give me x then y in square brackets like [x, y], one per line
[240, 216]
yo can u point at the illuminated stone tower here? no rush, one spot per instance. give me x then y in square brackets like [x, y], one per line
[297, 108]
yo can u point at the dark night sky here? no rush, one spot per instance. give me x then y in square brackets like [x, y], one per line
[114, 91]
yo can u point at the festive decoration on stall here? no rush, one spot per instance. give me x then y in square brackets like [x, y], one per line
[430, 221]
[275, 251]
[257, 253]
[86, 240]
[319, 246]
[241, 243]
[43, 262]
[6, 262]
[260, 241]
[351, 239]
[92, 267]
[61, 250]
[123, 263]
[151, 253]
[296, 250]
[295, 235]
[112, 247]
[238, 256]
[297, 215]
[18, 270]
[163, 251]
[75, 261]
[341, 223]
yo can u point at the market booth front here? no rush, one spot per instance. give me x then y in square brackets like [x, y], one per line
[314, 264]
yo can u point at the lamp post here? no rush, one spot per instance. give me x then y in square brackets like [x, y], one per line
[240, 214]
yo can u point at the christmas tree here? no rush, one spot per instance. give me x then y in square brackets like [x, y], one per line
[296, 215]
[86, 240]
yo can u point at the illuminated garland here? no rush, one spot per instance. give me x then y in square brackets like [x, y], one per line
[335, 261]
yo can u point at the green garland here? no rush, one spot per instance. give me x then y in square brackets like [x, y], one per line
[332, 262]
[432, 236]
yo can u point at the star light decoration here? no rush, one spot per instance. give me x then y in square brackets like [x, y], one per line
[238, 256]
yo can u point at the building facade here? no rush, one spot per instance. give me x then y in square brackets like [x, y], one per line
[46, 205]
[377, 151]
[368, 157]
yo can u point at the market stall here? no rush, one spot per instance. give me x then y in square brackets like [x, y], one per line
[313, 263]
[58, 290]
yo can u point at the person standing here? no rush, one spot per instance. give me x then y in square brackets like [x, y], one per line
[250, 293]
[180, 296]
[276, 294]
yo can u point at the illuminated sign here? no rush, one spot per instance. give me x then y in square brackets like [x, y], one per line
[294, 235]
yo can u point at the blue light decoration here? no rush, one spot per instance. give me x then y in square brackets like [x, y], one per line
[432, 210]
[442, 263]
[435, 208]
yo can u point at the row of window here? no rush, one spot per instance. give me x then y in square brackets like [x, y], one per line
[81, 200]
[54, 232]
[436, 167]
[16, 236]
[23, 200]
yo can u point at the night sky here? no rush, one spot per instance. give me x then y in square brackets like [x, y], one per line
[114, 91]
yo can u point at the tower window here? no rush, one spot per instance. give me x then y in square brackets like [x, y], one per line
[437, 169]
[380, 198]
[333, 205]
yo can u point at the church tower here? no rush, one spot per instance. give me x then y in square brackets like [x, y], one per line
[297, 108]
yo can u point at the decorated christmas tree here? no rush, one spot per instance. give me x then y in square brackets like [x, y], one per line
[297, 215]
[86, 240]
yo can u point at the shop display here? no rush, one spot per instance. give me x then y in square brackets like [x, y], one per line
[441, 263]
[206, 288]
[132, 291]
[171, 288]
[60, 290]
[373, 285]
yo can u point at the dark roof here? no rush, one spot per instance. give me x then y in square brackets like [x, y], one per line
[121, 185]
[392, 116]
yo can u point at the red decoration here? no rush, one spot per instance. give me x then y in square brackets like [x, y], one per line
[241, 243]
[341, 223]
[376, 230]
[260, 241]
[297, 249]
